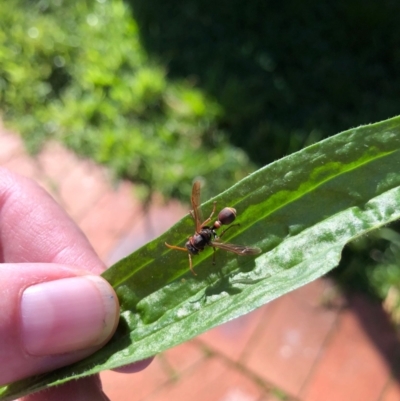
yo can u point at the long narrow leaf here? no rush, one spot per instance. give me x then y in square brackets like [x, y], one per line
[301, 211]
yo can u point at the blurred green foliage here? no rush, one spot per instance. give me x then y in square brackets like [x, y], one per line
[371, 264]
[76, 72]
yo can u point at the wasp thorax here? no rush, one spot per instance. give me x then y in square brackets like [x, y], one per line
[227, 215]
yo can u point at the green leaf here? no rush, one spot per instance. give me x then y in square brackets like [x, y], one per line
[300, 210]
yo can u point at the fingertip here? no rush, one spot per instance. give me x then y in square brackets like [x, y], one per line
[68, 315]
[135, 367]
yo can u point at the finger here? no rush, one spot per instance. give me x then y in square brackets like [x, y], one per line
[34, 228]
[88, 388]
[134, 367]
[51, 315]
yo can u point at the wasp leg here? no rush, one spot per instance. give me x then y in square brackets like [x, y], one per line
[226, 229]
[211, 215]
[177, 248]
[191, 264]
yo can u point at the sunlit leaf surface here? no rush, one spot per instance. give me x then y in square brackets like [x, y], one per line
[300, 210]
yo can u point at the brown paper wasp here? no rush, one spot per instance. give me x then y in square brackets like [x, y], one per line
[207, 235]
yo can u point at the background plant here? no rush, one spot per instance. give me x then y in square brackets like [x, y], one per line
[76, 72]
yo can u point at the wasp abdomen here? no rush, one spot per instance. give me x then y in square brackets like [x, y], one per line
[227, 215]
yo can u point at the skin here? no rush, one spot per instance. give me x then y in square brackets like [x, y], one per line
[40, 243]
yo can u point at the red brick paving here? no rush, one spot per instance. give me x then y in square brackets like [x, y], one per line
[113, 213]
[22, 164]
[183, 356]
[214, 380]
[291, 338]
[86, 182]
[138, 386]
[232, 339]
[292, 348]
[144, 227]
[11, 145]
[352, 354]
[234, 385]
[55, 162]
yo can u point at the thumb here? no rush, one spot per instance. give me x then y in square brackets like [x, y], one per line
[51, 315]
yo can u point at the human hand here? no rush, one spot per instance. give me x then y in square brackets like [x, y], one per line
[55, 309]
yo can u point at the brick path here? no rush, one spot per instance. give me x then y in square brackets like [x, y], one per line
[294, 348]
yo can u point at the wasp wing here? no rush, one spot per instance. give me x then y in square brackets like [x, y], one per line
[196, 212]
[238, 249]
